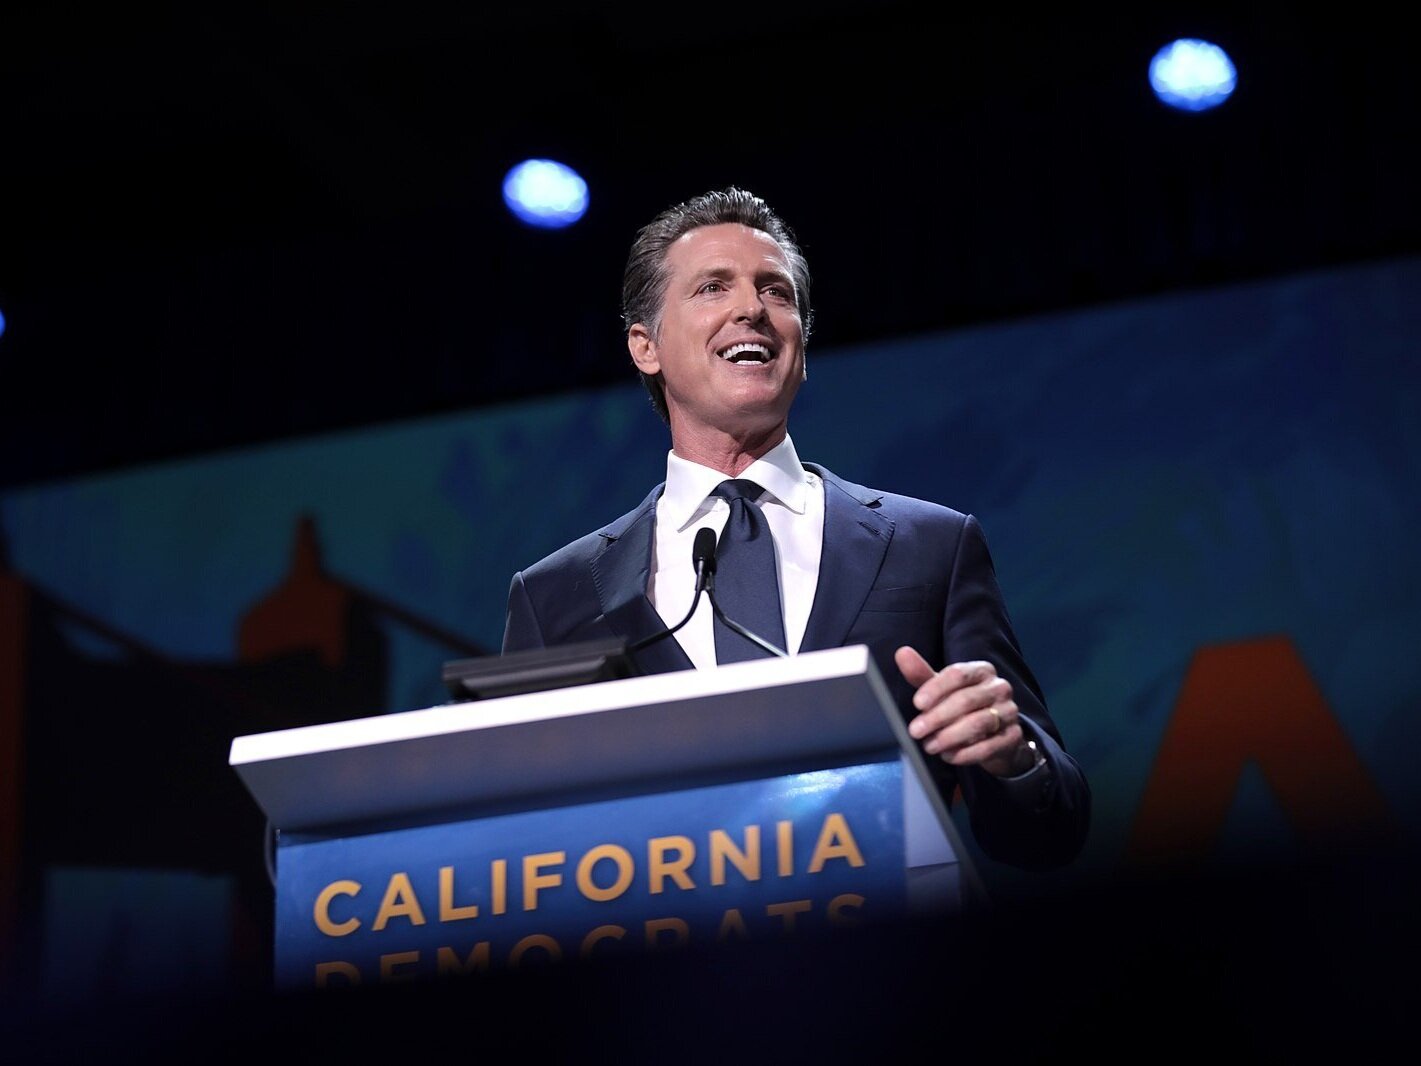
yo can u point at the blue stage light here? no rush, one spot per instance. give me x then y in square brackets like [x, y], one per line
[545, 194]
[1192, 75]
[2, 323]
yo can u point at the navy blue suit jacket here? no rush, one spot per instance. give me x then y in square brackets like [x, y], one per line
[894, 570]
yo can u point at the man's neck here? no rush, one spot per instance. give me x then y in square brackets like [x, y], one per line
[720, 451]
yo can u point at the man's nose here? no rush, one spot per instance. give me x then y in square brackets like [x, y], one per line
[749, 306]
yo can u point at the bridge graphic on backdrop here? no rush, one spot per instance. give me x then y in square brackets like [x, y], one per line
[121, 760]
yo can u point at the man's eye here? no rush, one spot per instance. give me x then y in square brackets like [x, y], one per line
[779, 291]
[712, 286]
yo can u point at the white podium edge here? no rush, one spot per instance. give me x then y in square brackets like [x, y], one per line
[795, 710]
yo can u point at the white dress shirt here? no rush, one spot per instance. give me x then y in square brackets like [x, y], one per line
[793, 505]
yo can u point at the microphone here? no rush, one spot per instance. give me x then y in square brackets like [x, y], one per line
[703, 558]
[705, 545]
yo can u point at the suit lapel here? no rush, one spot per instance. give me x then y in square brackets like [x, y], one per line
[856, 539]
[621, 572]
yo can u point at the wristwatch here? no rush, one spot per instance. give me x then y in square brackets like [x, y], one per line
[1037, 759]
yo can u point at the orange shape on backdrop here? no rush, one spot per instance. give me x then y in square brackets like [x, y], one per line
[1253, 701]
[308, 610]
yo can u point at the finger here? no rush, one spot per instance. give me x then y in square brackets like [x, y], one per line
[911, 664]
[957, 703]
[973, 726]
[996, 747]
[982, 749]
[950, 679]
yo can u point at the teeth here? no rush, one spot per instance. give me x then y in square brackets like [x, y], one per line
[758, 352]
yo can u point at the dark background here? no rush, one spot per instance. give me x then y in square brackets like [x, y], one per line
[223, 224]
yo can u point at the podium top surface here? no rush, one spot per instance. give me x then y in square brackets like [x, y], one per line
[766, 714]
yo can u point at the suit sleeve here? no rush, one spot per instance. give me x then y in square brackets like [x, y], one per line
[521, 631]
[1039, 821]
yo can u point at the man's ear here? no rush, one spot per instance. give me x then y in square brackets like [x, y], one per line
[643, 349]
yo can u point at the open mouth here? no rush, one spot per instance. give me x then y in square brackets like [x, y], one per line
[746, 353]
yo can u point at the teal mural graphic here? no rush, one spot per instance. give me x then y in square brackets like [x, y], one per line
[1201, 507]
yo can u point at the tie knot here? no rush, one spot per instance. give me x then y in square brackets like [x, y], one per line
[739, 489]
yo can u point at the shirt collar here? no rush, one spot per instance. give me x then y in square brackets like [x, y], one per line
[778, 471]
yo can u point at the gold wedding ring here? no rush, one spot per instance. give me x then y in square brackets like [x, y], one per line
[996, 717]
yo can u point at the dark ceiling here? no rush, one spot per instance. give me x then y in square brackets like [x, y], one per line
[229, 224]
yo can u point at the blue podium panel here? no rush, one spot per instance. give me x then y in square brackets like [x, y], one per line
[748, 860]
[762, 799]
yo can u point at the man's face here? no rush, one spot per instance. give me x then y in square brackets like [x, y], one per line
[730, 345]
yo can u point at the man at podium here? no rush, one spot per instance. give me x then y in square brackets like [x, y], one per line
[716, 306]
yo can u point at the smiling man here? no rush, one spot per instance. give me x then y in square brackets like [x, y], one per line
[715, 299]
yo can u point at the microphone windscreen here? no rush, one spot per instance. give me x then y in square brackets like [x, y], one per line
[703, 549]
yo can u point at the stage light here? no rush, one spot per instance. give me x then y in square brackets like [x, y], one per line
[1192, 75]
[2, 323]
[545, 194]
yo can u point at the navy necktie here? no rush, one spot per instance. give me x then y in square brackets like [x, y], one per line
[747, 587]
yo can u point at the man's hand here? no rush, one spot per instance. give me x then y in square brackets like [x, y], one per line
[966, 714]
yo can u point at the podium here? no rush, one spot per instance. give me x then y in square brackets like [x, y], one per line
[759, 800]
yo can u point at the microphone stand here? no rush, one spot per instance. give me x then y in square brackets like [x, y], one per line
[738, 628]
[704, 569]
[703, 554]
